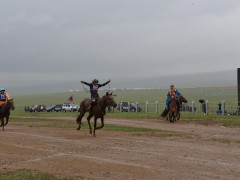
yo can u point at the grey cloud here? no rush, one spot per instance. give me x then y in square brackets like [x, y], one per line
[107, 38]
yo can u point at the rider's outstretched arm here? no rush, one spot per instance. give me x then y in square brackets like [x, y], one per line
[104, 84]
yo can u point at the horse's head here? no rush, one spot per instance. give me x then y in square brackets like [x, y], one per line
[10, 104]
[182, 99]
[109, 100]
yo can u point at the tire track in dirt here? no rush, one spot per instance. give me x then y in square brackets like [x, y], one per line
[68, 153]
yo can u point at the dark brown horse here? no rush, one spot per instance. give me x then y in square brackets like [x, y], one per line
[5, 112]
[98, 111]
[174, 108]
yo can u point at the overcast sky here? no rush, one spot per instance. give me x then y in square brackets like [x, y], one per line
[86, 39]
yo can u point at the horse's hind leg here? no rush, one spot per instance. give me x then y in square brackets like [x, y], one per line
[89, 124]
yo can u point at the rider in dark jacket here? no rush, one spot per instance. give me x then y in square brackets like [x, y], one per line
[94, 86]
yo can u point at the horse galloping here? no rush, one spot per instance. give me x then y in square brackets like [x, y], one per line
[97, 110]
[174, 108]
[5, 112]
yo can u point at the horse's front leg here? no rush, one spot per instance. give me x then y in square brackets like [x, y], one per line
[95, 125]
[79, 120]
[89, 124]
[7, 117]
[2, 123]
[178, 116]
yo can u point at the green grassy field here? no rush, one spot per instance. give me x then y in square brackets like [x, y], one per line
[214, 95]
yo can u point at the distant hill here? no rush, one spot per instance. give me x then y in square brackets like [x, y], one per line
[214, 79]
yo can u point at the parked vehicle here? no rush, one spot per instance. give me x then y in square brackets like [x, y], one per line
[37, 108]
[70, 107]
[128, 106]
[75, 107]
[50, 108]
[58, 107]
[54, 107]
[26, 108]
[187, 108]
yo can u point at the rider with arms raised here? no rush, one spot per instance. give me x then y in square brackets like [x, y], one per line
[94, 86]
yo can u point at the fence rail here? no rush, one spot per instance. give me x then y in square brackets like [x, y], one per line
[205, 107]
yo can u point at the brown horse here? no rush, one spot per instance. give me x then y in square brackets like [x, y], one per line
[174, 108]
[97, 110]
[5, 112]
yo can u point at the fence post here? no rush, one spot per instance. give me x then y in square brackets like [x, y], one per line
[193, 110]
[156, 106]
[206, 110]
[223, 107]
[120, 107]
[146, 106]
[136, 107]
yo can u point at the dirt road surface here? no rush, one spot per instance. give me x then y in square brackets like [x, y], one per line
[197, 152]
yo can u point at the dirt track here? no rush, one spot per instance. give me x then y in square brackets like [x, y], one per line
[198, 152]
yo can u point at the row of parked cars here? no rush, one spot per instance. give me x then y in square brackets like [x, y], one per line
[67, 107]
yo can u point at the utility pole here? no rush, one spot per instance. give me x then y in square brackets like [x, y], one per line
[238, 79]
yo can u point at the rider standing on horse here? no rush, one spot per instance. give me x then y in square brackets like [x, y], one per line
[172, 92]
[94, 86]
[4, 97]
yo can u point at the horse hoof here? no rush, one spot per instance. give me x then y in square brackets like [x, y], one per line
[78, 128]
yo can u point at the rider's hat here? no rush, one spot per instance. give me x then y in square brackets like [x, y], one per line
[2, 89]
[95, 81]
[171, 85]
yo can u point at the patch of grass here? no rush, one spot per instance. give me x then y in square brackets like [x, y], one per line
[221, 140]
[237, 142]
[26, 174]
[141, 131]
[24, 119]
[209, 120]
[159, 134]
[56, 123]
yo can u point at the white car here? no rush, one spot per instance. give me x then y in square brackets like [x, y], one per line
[67, 107]
[75, 107]
[70, 107]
